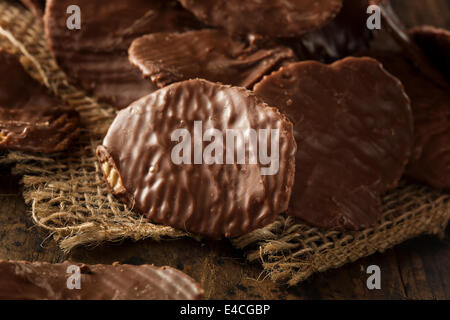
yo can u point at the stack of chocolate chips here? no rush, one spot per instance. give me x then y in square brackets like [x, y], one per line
[230, 116]
[345, 131]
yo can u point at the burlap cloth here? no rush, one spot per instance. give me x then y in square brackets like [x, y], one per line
[68, 198]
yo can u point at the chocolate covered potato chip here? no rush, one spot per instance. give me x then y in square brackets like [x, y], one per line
[353, 127]
[95, 55]
[165, 58]
[271, 18]
[31, 118]
[202, 157]
[23, 280]
[412, 49]
[435, 43]
[430, 103]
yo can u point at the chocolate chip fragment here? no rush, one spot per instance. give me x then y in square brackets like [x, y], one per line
[95, 56]
[272, 18]
[31, 118]
[353, 127]
[209, 54]
[22, 280]
[210, 159]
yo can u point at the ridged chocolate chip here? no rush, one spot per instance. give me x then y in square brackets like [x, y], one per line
[217, 199]
[165, 58]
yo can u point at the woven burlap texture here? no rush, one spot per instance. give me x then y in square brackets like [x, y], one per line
[69, 199]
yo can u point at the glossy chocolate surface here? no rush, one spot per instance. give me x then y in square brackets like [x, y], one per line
[215, 200]
[22, 280]
[165, 58]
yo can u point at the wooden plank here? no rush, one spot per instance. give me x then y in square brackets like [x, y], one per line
[19, 238]
[424, 268]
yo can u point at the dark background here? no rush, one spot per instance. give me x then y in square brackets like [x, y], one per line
[417, 269]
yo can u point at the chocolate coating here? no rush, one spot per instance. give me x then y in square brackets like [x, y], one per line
[95, 56]
[31, 118]
[36, 6]
[272, 18]
[353, 127]
[435, 43]
[430, 161]
[209, 54]
[411, 49]
[22, 280]
[343, 36]
[214, 200]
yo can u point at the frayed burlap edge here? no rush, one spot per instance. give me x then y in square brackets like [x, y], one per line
[69, 199]
[291, 251]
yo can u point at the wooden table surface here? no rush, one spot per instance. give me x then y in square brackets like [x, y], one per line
[416, 269]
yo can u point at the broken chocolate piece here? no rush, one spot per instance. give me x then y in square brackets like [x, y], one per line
[202, 157]
[435, 43]
[95, 56]
[430, 103]
[343, 36]
[209, 54]
[37, 7]
[275, 18]
[22, 280]
[353, 127]
[31, 118]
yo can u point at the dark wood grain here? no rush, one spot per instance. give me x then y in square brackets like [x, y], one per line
[417, 269]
